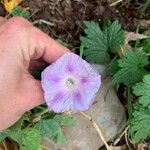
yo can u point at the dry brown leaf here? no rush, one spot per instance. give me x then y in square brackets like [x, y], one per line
[143, 146]
[140, 146]
[132, 36]
[122, 147]
[144, 24]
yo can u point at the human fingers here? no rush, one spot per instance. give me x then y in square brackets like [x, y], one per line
[2, 20]
[48, 48]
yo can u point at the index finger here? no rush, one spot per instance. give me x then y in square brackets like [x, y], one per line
[50, 49]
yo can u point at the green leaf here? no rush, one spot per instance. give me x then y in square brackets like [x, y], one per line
[132, 68]
[97, 43]
[115, 37]
[140, 124]
[66, 120]
[19, 11]
[2, 136]
[14, 132]
[60, 138]
[95, 46]
[113, 68]
[142, 89]
[51, 128]
[30, 139]
[145, 45]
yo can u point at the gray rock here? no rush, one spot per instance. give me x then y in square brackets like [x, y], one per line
[109, 114]
[100, 69]
[47, 144]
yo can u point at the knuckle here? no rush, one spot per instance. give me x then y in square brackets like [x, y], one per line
[17, 22]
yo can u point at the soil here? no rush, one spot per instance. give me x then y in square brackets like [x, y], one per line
[66, 17]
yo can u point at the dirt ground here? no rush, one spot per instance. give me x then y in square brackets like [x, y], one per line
[66, 17]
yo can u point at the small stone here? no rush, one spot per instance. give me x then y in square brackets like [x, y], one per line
[47, 144]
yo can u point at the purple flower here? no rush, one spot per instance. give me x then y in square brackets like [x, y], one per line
[70, 83]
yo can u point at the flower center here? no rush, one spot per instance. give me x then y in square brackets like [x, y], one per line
[70, 83]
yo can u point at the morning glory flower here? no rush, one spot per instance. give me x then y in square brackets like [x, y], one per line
[70, 83]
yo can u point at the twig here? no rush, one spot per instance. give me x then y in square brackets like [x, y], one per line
[38, 116]
[33, 13]
[40, 21]
[5, 146]
[126, 139]
[115, 3]
[7, 16]
[45, 147]
[118, 139]
[97, 129]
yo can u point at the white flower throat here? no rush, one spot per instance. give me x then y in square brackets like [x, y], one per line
[70, 83]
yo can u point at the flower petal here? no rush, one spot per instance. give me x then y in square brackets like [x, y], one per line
[80, 66]
[58, 101]
[90, 83]
[82, 102]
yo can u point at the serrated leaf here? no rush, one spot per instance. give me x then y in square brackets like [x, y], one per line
[95, 47]
[115, 37]
[97, 43]
[132, 68]
[142, 89]
[51, 128]
[140, 124]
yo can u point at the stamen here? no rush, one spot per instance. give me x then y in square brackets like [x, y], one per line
[69, 83]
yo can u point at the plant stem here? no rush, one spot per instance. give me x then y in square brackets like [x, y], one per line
[81, 51]
[130, 109]
[98, 129]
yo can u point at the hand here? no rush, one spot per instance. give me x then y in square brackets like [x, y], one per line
[20, 43]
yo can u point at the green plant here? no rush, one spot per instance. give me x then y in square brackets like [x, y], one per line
[98, 44]
[127, 69]
[131, 69]
[19, 11]
[29, 130]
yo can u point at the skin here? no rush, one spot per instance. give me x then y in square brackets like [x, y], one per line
[20, 45]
